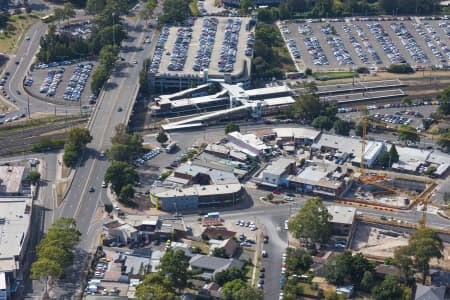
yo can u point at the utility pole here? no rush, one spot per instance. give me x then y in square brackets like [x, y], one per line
[28, 106]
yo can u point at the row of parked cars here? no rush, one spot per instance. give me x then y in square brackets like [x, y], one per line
[292, 46]
[393, 119]
[159, 50]
[77, 82]
[410, 43]
[305, 30]
[250, 41]
[339, 51]
[51, 82]
[207, 39]
[383, 38]
[441, 45]
[180, 49]
[229, 45]
[360, 49]
[315, 50]
[61, 63]
[148, 156]
[100, 269]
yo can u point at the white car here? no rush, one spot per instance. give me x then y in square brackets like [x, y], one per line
[104, 184]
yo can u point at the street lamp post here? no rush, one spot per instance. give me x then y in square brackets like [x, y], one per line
[114, 30]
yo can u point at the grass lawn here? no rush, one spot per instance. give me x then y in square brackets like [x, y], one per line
[307, 289]
[204, 247]
[336, 75]
[61, 188]
[12, 35]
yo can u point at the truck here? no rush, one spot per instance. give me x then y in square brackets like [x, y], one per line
[171, 147]
[212, 215]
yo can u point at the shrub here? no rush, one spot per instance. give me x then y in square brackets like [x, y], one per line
[400, 69]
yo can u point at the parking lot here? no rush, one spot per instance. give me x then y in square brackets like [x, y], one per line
[216, 44]
[344, 44]
[69, 82]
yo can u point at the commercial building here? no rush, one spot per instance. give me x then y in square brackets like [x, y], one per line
[410, 159]
[198, 184]
[323, 181]
[15, 214]
[296, 135]
[248, 143]
[342, 222]
[11, 178]
[277, 172]
[349, 147]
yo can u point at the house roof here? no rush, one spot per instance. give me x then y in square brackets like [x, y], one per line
[214, 263]
[430, 292]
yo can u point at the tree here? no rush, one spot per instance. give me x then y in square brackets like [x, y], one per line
[174, 266]
[238, 290]
[231, 127]
[220, 252]
[247, 5]
[162, 137]
[345, 268]
[298, 260]
[406, 101]
[403, 261]
[79, 137]
[34, 177]
[71, 155]
[63, 233]
[359, 129]
[155, 286]
[126, 193]
[62, 257]
[424, 245]
[93, 7]
[42, 269]
[99, 78]
[119, 152]
[444, 141]
[367, 281]
[342, 127]
[389, 289]
[119, 174]
[312, 222]
[393, 154]
[430, 170]
[59, 14]
[228, 275]
[125, 146]
[384, 159]
[69, 11]
[175, 12]
[108, 56]
[407, 134]
[322, 122]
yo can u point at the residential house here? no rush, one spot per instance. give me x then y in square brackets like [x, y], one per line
[210, 265]
[429, 292]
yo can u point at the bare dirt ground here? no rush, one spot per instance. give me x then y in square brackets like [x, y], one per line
[376, 242]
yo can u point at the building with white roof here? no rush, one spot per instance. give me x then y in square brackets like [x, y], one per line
[297, 135]
[410, 159]
[248, 143]
[351, 146]
[11, 180]
[15, 215]
[323, 181]
[275, 174]
[342, 221]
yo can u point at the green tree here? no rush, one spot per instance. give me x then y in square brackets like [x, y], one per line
[389, 289]
[238, 290]
[119, 152]
[63, 233]
[109, 56]
[174, 266]
[345, 268]
[155, 287]
[59, 14]
[424, 245]
[220, 252]
[33, 177]
[43, 269]
[231, 127]
[126, 193]
[247, 5]
[175, 12]
[79, 137]
[393, 154]
[99, 78]
[147, 11]
[62, 257]
[312, 222]
[228, 275]
[359, 129]
[430, 170]
[406, 101]
[322, 122]
[407, 134]
[367, 281]
[342, 127]
[162, 137]
[93, 7]
[444, 141]
[125, 146]
[384, 159]
[298, 261]
[403, 261]
[120, 174]
[71, 155]
[69, 11]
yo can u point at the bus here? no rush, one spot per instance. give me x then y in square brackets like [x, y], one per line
[48, 18]
[215, 215]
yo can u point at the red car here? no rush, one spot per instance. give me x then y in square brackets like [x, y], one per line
[276, 192]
